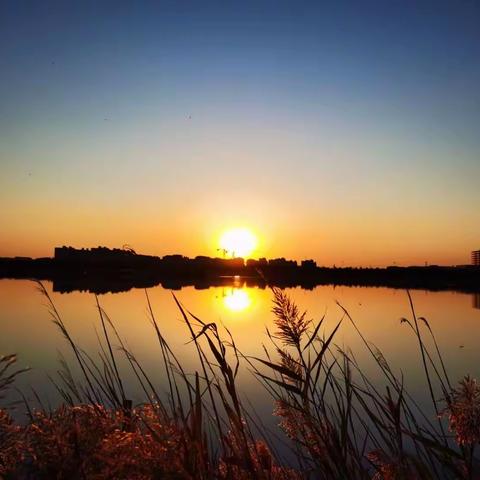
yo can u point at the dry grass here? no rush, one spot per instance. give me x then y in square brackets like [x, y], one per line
[340, 423]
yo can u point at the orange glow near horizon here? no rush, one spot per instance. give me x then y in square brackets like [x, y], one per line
[238, 242]
[282, 229]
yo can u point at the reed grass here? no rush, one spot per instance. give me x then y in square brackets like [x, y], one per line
[338, 422]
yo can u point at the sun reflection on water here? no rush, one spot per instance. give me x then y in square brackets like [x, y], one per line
[236, 299]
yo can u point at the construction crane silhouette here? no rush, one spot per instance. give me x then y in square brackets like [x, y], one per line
[128, 248]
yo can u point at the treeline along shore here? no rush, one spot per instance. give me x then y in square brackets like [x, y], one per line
[102, 270]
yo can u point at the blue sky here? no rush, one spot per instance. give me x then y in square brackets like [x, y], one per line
[343, 131]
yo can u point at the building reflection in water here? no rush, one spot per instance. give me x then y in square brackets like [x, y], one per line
[476, 300]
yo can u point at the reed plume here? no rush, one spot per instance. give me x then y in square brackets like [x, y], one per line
[291, 324]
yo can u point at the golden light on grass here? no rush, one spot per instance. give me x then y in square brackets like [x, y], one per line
[237, 300]
[238, 242]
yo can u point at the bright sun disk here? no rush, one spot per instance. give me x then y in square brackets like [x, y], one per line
[238, 242]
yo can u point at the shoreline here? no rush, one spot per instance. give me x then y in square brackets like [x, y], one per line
[116, 273]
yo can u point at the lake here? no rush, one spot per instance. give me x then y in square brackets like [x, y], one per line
[27, 330]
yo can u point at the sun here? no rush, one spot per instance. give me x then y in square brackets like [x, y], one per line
[238, 242]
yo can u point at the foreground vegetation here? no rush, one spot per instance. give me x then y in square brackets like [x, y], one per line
[339, 423]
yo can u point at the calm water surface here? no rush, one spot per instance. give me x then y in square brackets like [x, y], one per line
[26, 329]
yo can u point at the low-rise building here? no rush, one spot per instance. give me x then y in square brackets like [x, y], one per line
[476, 258]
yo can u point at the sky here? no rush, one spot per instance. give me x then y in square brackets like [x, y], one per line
[346, 132]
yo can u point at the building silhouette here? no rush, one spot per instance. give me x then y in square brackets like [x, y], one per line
[103, 269]
[476, 258]
[476, 300]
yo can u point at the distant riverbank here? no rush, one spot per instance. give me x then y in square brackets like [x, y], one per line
[104, 270]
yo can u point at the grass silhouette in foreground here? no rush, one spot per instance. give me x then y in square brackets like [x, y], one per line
[340, 423]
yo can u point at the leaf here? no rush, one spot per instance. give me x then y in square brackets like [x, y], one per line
[286, 386]
[281, 369]
[325, 345]
[317, 328]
